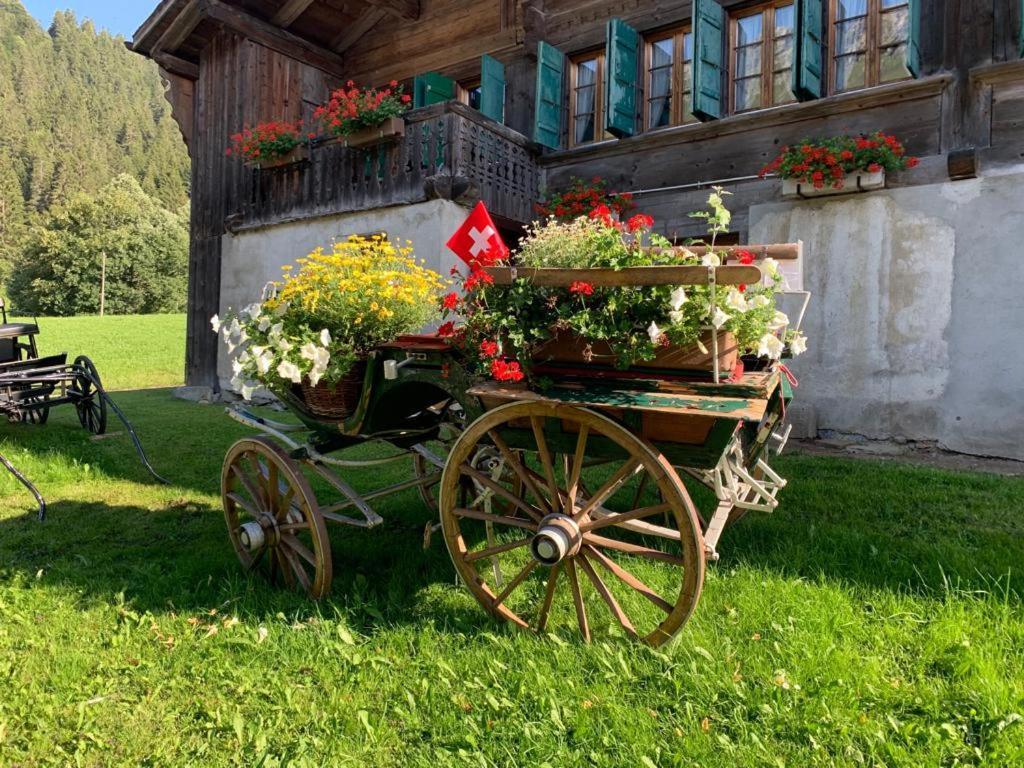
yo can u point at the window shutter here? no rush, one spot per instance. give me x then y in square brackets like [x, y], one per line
[914, 39]
[492, 88]
[808, 64]
[547, 127]
[708, 59]
[432, 88]
[623, 64]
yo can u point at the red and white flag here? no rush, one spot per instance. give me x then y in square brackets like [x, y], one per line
[477, 241]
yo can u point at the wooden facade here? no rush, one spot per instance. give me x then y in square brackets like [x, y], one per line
[232, 63]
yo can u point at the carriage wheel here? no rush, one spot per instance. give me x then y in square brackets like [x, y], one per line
[451, 428]
[89, 402]
[556, 552]
[273, 519]
[38, 416]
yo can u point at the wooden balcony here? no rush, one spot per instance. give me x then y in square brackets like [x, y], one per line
[449, 151]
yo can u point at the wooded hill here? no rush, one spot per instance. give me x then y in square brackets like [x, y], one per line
[77, 109]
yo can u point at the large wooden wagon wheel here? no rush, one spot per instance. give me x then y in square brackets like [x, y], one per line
[556, 553]
[88, 393]
[273, 519]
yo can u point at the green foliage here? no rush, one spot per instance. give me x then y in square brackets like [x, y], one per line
[144, 245]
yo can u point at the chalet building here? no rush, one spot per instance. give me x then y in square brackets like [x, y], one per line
[915, 327]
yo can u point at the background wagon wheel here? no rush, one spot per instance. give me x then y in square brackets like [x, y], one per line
[38, 415]
[88, 392]
[454, 422]
[273, 519]
[559, 554]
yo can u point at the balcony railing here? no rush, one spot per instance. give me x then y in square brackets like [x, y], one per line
[449, 151]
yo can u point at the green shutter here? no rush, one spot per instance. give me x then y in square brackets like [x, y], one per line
[492, 88]
[547, 127]
[708, 59]
[808, 64]
[432, 88]
[623, 64]
[914, 40]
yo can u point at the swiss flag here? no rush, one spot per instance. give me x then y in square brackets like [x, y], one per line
[477, 241]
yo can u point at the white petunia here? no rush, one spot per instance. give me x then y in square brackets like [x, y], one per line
[654, 332]
[760, 301]
[263, 363]
[281, 308]
[248, 389]
[325, 337]
[237, 382]
[321, 359]
[770, 266]
[315, 376]
[284, 345]
[235, 329]
[276, 329]
[253, 310]
[719, 318]
[769, 346]
[678, 298]
[308, 351]
[289, 371]
[798, 344]
[736, 301]
[711, 260]
[237, 366]
[779, 321]
[676, 317]
[264, 324]
[215, 323]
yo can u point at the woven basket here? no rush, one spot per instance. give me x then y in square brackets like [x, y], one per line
[339, 401]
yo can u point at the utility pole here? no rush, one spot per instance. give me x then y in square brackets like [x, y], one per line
[103, 284]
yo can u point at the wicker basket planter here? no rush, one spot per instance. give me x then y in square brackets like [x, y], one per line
[568, 349]
[857, 182]
[339, 401]
[298, 155]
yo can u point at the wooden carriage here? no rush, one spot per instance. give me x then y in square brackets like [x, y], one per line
[540, 492]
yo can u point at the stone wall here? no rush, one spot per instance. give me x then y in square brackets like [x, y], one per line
[916, 326]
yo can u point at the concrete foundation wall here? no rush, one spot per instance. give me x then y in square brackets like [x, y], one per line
[916, 326]
[252, 259]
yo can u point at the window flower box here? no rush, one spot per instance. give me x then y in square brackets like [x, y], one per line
[390, 130]
[299, 154]
[854, 182]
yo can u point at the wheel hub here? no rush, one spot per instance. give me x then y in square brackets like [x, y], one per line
[558, 537]
[252, 537]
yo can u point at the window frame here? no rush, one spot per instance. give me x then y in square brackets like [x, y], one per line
[597, 54]
[767, 53]
[872, 39]
[464, 88]
[678, 109]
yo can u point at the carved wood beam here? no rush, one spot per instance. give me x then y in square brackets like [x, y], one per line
[403, 9]
[289, 12]
[182, 26]
[176, 65]
[351, 34]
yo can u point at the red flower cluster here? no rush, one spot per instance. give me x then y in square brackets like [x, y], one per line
[582, 288]
[581, 198]
[450, 301]
[488, 349]
[446, 330]
[745, 257]
[502, 370]
[477, 278]
[828, 161]
[640, 221]
[267, 141]
[351, 108]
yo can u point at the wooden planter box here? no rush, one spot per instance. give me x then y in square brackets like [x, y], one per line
[568, 349]
[858, 182]
[298, 155]
[391, 129]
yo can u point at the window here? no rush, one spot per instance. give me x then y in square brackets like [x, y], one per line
[586, 94]
[668, 80]
[868, 41]
[469, 94]
[761, 44]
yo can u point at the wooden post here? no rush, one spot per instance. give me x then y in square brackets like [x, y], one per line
[103, 283]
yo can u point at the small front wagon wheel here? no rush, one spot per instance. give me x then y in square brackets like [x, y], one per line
[273, 519]
[87, 391]
[555, 552]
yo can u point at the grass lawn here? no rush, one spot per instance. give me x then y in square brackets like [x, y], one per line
[876, 619]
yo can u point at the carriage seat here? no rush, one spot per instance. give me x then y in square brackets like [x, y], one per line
[15, 330]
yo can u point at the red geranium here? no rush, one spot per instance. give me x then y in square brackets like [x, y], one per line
[451, 301]
[745, 257]
[267, 141]
[488, 348]
[582, 288]
[581, 198]
[640, 221]
[351, 109]
[506, 371]
[477, 278]
[447, 330]
[830, 160]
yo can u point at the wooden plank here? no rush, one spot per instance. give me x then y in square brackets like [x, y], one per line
[182, 26]
[403, 9]
[351, 34]
[634, 276]
[176, 65]
[289, 12]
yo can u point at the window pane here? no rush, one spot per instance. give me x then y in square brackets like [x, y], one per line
[748, 61]
[850, 36]
[687, 77]
[584, 128]
[747, 93]
[586, 72]
[783, 58]
[893, 3]
[474, 97]
[687, 47]
[850, 72]
[660, 112]
[661, 53]
[782, 90]
[895, 26]
[783, 20]
[846, 9]
[893, 63]
[748, 29]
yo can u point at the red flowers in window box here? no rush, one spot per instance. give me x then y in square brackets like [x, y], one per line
[581, 198]
[822, 162]
[352, 109]
[267, 142]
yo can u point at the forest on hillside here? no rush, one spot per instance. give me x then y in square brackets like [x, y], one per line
[93, 169]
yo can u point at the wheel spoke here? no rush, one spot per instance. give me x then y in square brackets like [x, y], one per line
[476, 514]
[286, 503]
[294, 544]
[293, 527]
[577, 599]
[519, 578]
[607, 596]
[496, 550]
[572, 483]
[273, 489]
[253, 490]
[247, 506]
[296, 567]
[611, 486]
[549, 596]
[640, 490]
[519, 469]
[487, 482]
[545, 459]
[256, 559]
[633, 549]
[629, 579]
[622, 517]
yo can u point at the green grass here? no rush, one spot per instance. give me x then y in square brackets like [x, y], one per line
[130, 351]
[876, 619]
